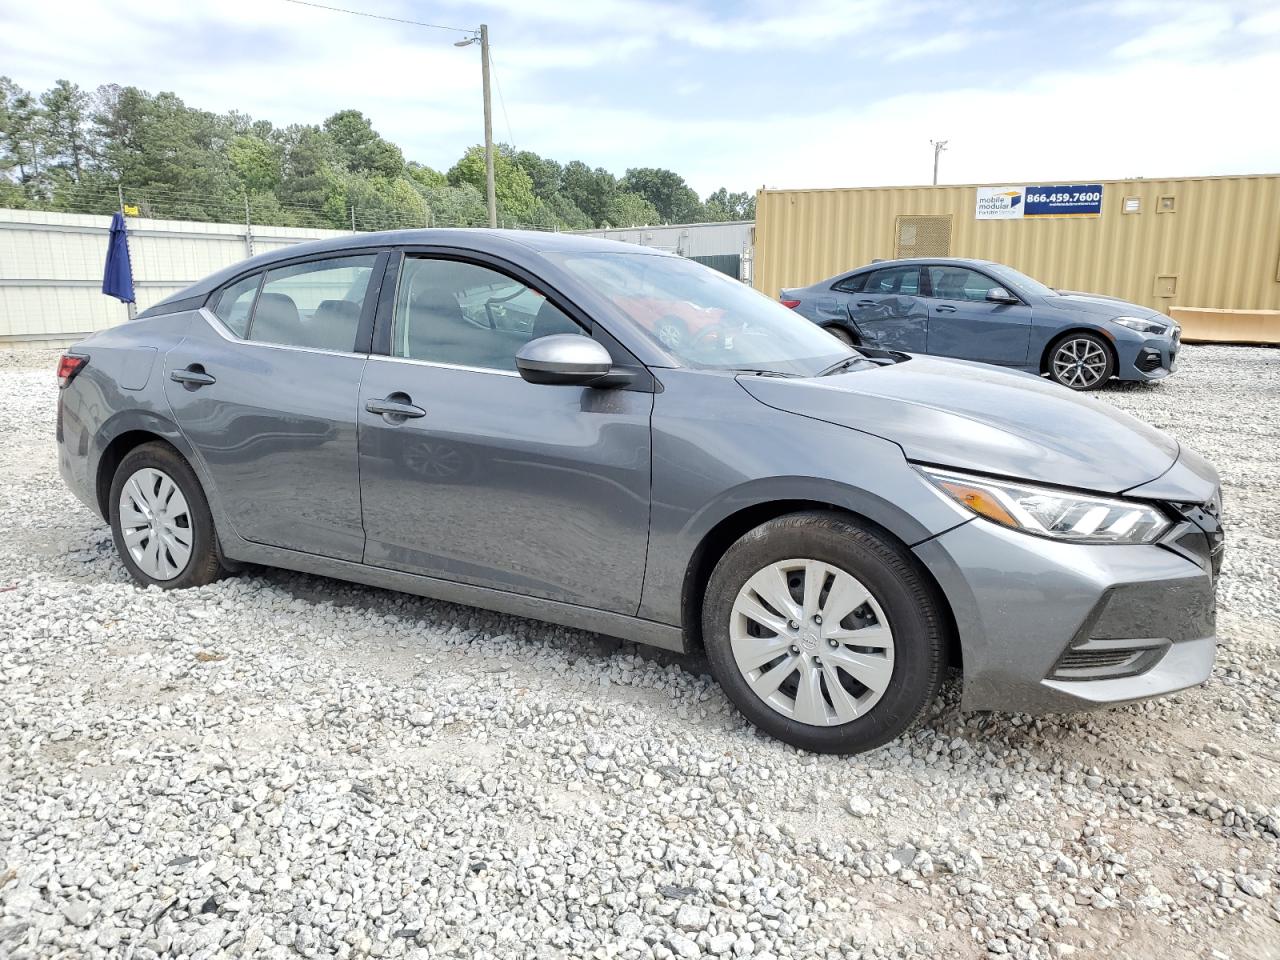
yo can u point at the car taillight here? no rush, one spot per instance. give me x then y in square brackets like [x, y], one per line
[68, 366]
[790, 304]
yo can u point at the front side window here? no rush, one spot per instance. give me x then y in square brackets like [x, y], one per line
[463, 314]
[894, 281]
[704, 318]
[959, 283]
[235, 304]
[316, 304]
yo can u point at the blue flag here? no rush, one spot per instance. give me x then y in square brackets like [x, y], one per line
[117, 277]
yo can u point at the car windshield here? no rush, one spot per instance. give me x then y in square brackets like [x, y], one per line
[1024, 283]
[706, 319]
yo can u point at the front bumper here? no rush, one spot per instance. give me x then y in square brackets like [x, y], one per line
[1046, 626]
[1149, 357]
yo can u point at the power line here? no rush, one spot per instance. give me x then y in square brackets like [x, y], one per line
[493, 66]
[379, 16]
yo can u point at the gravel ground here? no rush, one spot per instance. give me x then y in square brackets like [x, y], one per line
[280, 765]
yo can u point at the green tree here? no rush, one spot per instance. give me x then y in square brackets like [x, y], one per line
[630, 210]
[256, 162]
[723, 205]
[544, 174]
[511, 185]
[675, 200]
[360, 146]
[67, 138]
[20, 123]
[589, 190]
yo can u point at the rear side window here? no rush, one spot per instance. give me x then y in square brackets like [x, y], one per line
[235, 304]
[852, 284]
[902, 281]
[316, 304]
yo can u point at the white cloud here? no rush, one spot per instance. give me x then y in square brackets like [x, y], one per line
[1170, 104]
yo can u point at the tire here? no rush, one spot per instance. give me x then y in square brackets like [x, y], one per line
[841, 334]
[832, 549]
[184, 553]
[1081, 361]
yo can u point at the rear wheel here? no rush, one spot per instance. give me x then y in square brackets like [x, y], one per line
[1081, 361]
[841, 334]
[160, 520]
[824, 633]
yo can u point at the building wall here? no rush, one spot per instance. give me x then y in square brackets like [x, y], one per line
[51, 267]
[698, 241]
[1220, 243]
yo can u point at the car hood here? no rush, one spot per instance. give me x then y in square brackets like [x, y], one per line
[1099, 307]
[971, 416]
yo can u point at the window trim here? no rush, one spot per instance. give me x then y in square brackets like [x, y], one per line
[364, 327]
[643, 381]
[928, 284]
[921, 274]
[862, 275]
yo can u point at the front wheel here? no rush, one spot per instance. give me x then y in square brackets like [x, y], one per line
[1081, 361]
[824, 633]
[160, 520]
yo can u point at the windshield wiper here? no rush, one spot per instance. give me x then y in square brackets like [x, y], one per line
[842, 365]
[763, 373]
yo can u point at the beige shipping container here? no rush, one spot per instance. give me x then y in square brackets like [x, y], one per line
[1210, 242]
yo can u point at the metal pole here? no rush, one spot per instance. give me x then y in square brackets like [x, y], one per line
[938, 147]
[248, 228]
[488, 127]
[353, 218]
[132, 307]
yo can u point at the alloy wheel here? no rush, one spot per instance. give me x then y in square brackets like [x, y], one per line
[812, 642]
[156, 523]
[1079, 363]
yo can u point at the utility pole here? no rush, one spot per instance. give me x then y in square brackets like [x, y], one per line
[482, 35]
[488, 127]
[938, 147]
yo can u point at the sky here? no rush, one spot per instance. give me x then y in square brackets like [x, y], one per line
[803, 93]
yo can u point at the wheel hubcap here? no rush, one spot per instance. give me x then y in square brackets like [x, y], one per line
[1079, 363]
[156, 524]
[811, 642]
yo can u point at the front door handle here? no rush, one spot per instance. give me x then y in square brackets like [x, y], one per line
[866, 303]
[945, 309]
[395, 408]
[193, 376]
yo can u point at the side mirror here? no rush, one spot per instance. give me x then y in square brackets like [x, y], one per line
[1001, 295]
[563, 358]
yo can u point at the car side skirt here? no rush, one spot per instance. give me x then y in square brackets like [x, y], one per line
[535, 608]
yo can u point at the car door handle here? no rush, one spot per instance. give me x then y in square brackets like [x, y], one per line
[866, 303]
[193, 376]
[943, 308]
[395, 410]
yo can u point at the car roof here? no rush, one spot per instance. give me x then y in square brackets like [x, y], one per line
[911, 261]
[481, 240]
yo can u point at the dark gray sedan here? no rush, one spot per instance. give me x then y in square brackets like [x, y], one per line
[985, 311]
[494, 418]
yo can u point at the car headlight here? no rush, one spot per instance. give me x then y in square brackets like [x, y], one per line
[1140, 324]
[1046, 512]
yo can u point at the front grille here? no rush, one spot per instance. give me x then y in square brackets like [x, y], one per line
[1083, 659]
[1148, 360]
[1108, 659]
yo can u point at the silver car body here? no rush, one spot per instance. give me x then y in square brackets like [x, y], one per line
[605, 509]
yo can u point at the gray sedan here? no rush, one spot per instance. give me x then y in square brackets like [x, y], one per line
[494, 418]
[979, 310]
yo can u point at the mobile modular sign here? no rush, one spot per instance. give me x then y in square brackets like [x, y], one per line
[1025, 203]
